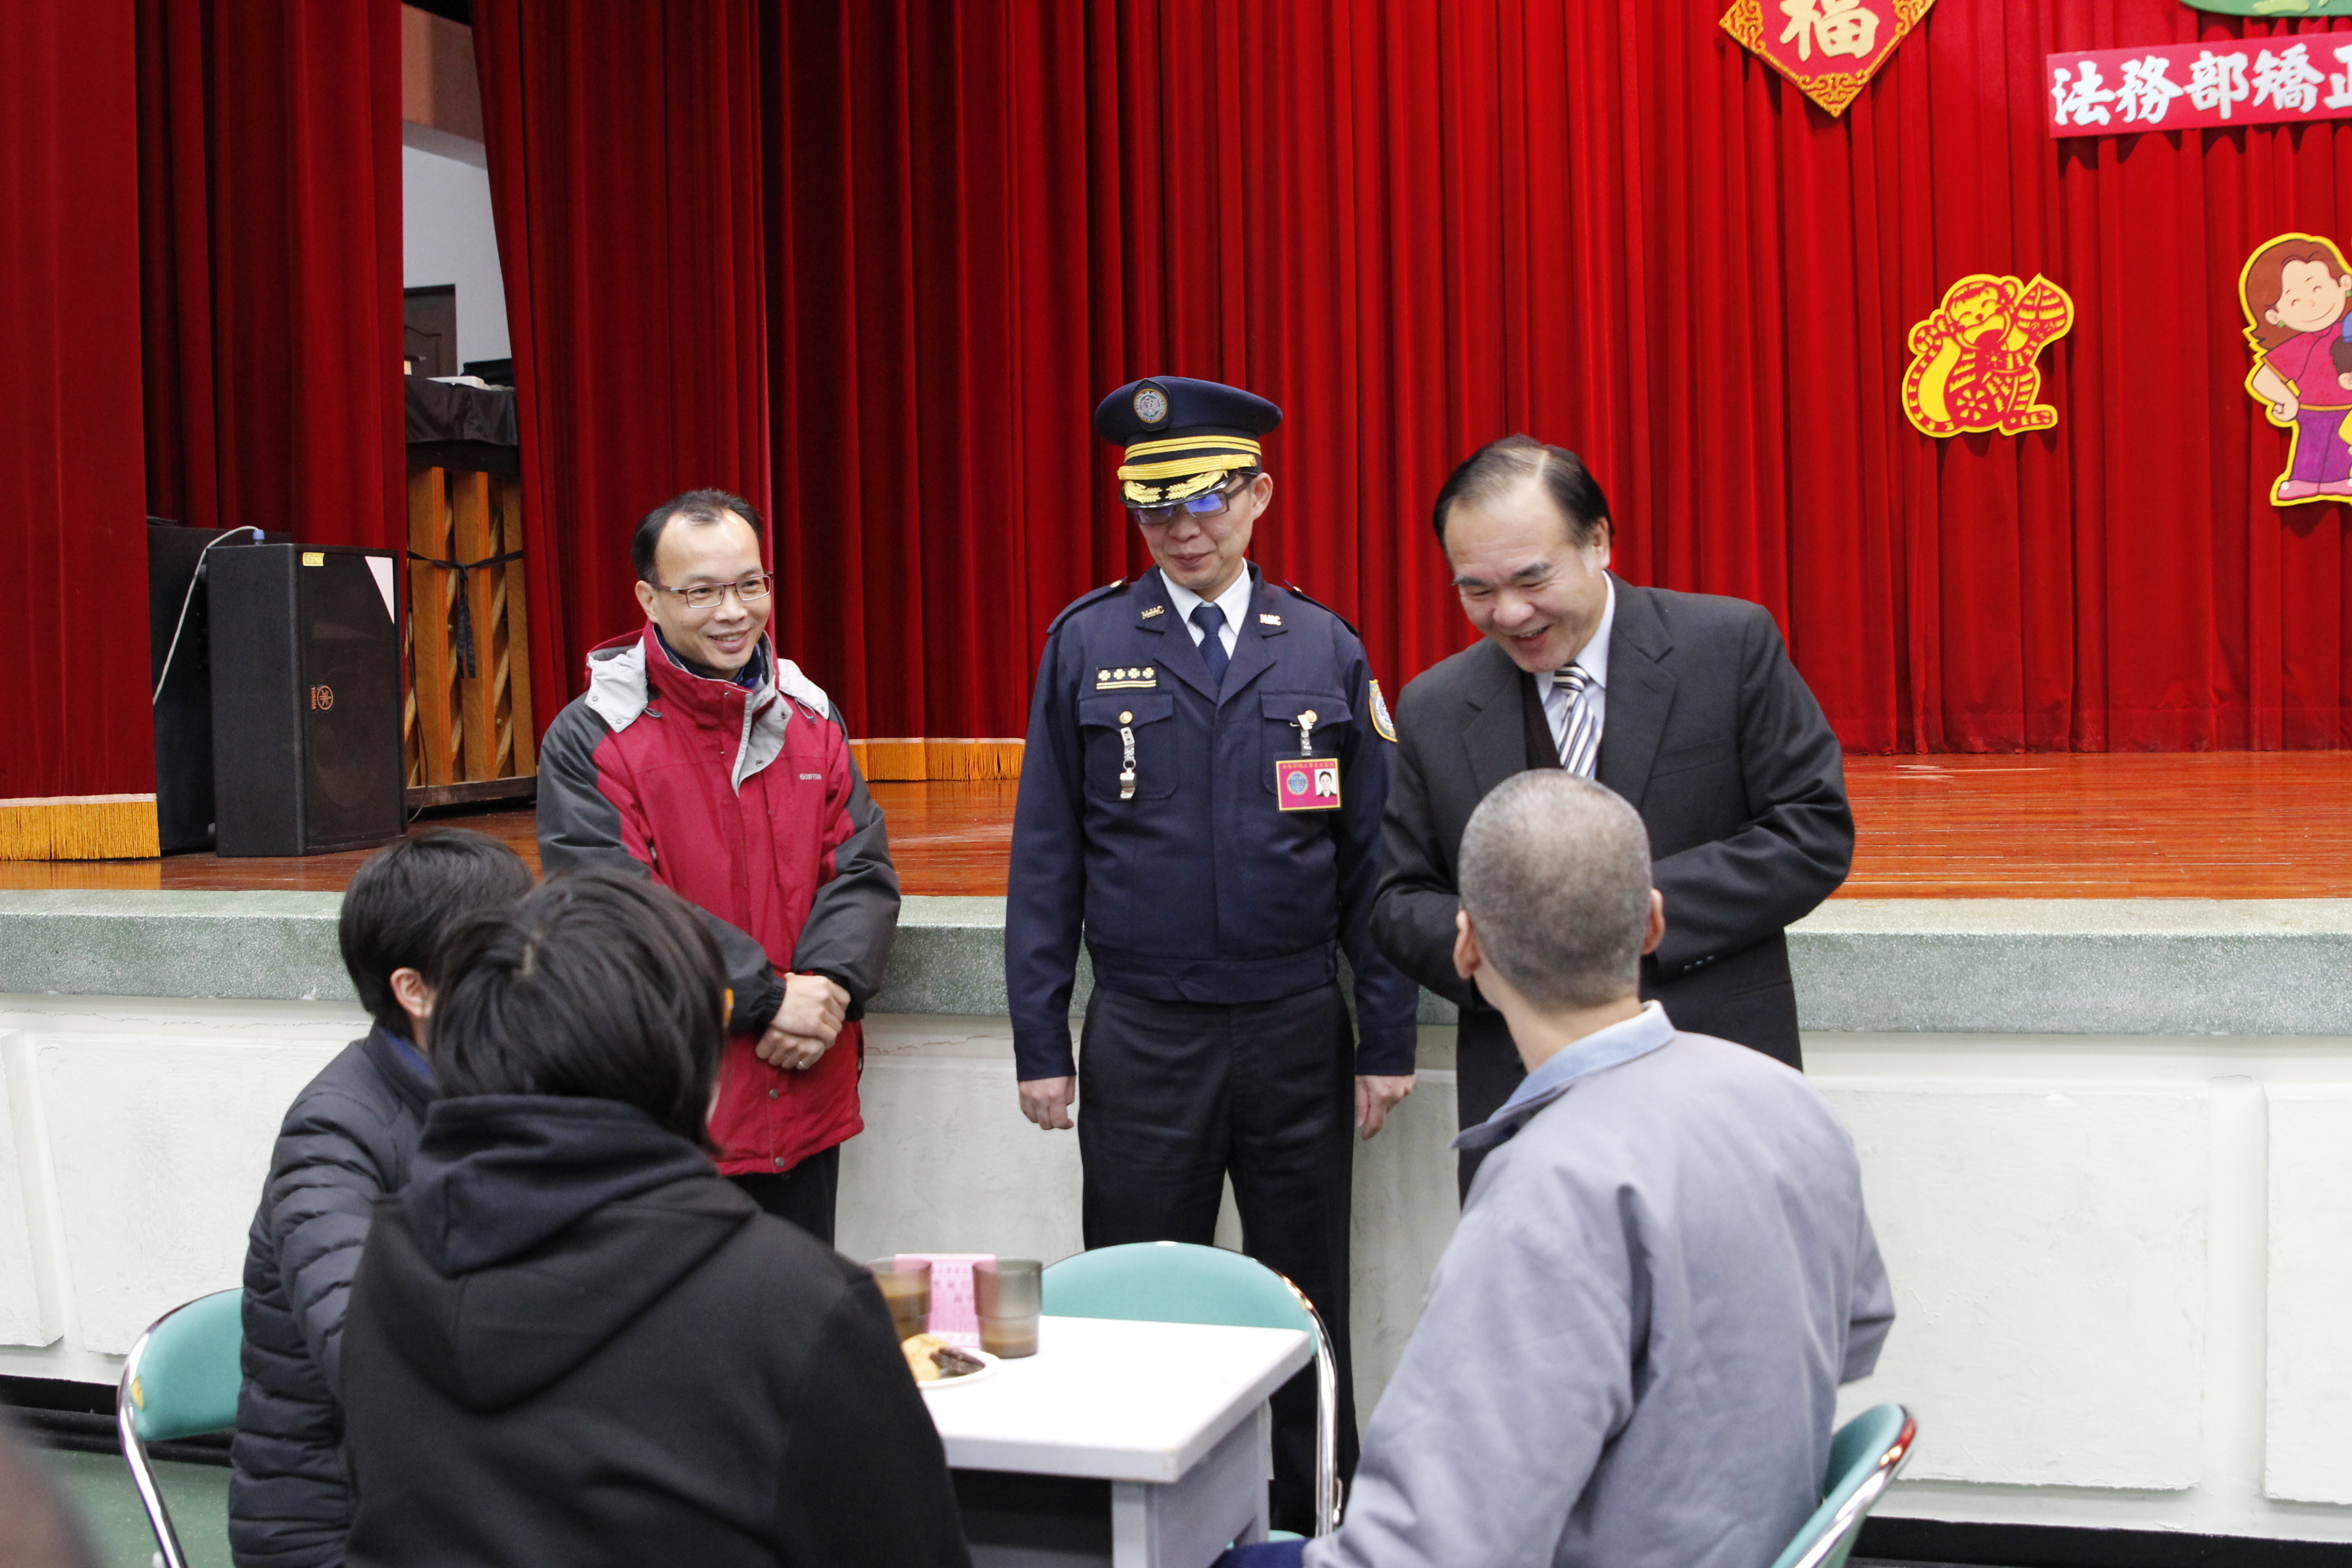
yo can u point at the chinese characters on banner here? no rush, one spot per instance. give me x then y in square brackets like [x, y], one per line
[1972, 361]
[2174, 86]
[1828, 47]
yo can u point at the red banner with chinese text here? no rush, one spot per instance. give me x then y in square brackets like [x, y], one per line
[2176, 86]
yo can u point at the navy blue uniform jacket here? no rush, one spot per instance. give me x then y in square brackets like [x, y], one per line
[1197, 889]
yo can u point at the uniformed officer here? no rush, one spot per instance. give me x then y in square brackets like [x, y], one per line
[1208, 758]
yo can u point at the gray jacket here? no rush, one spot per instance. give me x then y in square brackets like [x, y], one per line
[1631, 1351]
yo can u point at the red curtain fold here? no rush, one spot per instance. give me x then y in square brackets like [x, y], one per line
[69, 421]
[908, 243]
[269, 206]
[1418, 227]
[625, 164]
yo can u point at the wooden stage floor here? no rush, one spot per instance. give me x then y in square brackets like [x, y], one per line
[2224, 825]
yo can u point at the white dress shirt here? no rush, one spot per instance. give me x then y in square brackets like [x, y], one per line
[1234, 601]
[1594, 662]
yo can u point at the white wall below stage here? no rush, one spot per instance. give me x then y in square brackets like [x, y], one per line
[2119, 1261]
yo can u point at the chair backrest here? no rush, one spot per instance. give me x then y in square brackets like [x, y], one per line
[1173, 1283]
[1864, 1455]
[182, 1375]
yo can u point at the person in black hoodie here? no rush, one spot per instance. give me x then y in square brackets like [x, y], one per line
[346, 1139]
[571, 1341]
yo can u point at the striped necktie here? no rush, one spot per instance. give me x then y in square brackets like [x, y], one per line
[1574, 729]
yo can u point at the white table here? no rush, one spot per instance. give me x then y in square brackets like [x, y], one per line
[1158, 1431]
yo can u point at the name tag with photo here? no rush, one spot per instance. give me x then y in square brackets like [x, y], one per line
[1307, 783]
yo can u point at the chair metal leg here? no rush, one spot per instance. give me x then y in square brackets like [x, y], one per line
[143, 1473]
[1848, 1523]
[1327, 1418]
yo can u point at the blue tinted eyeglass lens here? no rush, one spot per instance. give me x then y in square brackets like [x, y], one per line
[1207, 505]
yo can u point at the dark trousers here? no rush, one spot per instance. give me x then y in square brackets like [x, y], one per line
[1175, 1096]
[803, 1194]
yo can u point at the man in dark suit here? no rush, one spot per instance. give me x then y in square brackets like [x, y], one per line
[1686, 704]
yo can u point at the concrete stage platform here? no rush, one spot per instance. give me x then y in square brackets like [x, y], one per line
[2089, 1018]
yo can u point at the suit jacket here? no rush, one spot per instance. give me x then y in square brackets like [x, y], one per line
[1713, 738]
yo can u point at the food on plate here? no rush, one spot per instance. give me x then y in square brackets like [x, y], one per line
[931, 1358]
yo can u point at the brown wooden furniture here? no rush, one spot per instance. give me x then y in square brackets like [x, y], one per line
[467, 720]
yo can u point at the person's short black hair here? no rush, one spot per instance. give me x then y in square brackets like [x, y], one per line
[694, 506]
[597, 985]
[407, 897]
[1504, 465]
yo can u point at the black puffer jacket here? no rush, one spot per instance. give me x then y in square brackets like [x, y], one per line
[347, 1140]
[572, 1344]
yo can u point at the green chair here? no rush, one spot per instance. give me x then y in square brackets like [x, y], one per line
[1863, 1458]
[1177, 1282]
[181, 1381]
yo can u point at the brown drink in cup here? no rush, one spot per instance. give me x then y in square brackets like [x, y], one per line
[1008, 1295]
[907, 1291]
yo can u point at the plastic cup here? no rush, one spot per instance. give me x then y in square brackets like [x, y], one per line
[1008, 1296]
[907, 1291]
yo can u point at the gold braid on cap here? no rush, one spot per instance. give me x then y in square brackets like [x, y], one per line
[1170, 492]
[1203, 463]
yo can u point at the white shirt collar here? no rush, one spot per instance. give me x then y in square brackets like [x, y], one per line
[1595, 657]
[1234, 601]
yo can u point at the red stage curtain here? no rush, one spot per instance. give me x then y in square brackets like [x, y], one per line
[74, 598]
[1418, 226]
[269, 196]
[624, 174]
[920, 237]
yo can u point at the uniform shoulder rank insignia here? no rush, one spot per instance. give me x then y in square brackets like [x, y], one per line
[1381, 719]
[1090, 597]
[1130, 678]
[1300, 592]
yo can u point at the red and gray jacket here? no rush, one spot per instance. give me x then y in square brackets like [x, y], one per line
[743, 801]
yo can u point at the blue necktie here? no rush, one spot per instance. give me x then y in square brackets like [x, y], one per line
[1211, 622]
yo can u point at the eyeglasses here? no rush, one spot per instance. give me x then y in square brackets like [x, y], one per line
[1208, 504]
[703, 595]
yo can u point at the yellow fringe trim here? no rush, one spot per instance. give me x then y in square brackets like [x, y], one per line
[1180, 468]
[80, 828]
[1193, 442]
[912, 758]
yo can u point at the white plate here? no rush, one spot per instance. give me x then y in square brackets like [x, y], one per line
[987, 1370]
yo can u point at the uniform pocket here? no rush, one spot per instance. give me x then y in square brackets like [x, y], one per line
[1333, 724]
[1129, 732]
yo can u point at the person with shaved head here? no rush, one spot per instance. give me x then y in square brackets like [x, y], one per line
[1631, 1349]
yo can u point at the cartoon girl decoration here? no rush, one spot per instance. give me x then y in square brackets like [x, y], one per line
[2294, 288]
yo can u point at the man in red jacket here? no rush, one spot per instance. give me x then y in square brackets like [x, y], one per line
[699, 758]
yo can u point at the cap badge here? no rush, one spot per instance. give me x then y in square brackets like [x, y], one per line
[1150, 404]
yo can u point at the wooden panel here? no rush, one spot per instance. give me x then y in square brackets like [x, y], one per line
[2230, 824]
[469, 501]
[508, 496]
[2216, 824]
[430, 591]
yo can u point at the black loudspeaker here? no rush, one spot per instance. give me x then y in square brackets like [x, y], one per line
[306, 754]
[179, 622]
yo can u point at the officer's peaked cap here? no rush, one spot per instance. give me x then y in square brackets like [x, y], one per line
[1182, 437]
